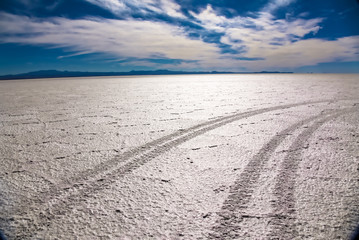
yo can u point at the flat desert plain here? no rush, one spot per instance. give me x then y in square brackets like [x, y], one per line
[257, 156]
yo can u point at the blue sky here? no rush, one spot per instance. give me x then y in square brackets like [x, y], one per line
[222, 35]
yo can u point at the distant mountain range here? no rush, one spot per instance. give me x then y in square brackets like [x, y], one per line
[60, 74]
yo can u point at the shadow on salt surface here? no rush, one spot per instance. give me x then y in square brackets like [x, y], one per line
[355, 235]
[2, 237]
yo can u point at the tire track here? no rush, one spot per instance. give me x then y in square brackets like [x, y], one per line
[282, 224]
[110, 164]
[231, 214]
[136, 157]
[60, 199]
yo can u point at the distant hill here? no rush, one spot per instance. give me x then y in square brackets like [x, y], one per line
[61, 74]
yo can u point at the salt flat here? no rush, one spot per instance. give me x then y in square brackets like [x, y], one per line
[259, 156]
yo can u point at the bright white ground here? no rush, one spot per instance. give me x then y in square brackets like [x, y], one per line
[180, 157]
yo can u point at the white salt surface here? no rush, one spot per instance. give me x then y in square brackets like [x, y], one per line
[180, 157]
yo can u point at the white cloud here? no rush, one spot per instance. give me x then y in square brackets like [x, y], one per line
[209, 19]
[114, 6]
[167, 7]
[275, 4]
[119, 38]
[267, 34]
[279, 42]
[171, 8]
[311, 52]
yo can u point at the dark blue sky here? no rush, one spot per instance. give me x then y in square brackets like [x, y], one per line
[227, 35]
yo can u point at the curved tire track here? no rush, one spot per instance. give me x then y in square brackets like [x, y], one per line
[59, 200]
[138, 156]
[284, 207]
[231, 214]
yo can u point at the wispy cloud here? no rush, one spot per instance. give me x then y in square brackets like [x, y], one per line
[165, 7]
[278, 42]
[275, 4]
[73, 54]
[123, 38]
[115, 6]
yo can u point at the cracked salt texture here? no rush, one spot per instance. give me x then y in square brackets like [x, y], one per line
[180, 157]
